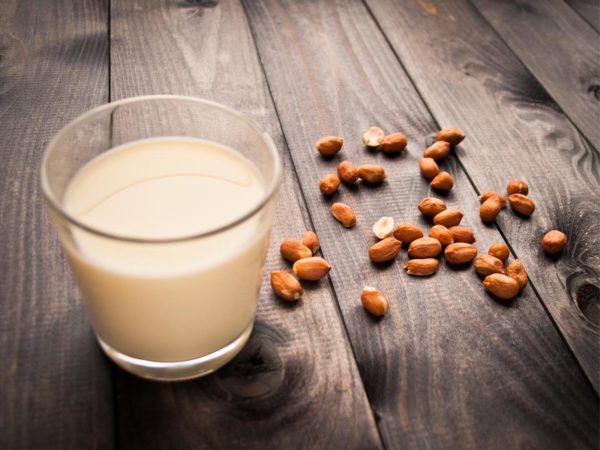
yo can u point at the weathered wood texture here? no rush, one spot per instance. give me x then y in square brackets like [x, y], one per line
[55, 384]
[296, 384]
[589, 10]
[448, 367]
[559, 49]
[470, 79]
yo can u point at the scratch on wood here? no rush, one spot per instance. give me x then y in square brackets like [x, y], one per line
[428, 7]
[12, 61]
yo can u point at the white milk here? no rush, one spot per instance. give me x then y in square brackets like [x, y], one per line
[168, 301]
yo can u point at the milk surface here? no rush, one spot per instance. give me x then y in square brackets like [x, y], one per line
[170, 301]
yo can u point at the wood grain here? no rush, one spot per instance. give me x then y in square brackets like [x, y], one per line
[55, 385]
[559, 49]
[588, 9]
[296, 384]
[514, 130]
[448, 367]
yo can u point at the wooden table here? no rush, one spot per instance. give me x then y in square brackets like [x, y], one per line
[448, 367]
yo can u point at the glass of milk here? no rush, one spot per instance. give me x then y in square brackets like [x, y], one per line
[163, 205]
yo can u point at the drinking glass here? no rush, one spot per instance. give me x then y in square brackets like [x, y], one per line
[164, 307]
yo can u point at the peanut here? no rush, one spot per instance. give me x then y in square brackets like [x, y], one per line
[329, 184]
[502, 286]
[347, 172]
[311, 240]
[311, 269]
[500, 251]
[374, 301]
[393, 143]
[431, 206]
[343, 214]
[489, 209]
[486, 265]
[554, 242]
[462, 234]
[385, 250]
[521, 204]
[373, 136]
[329, 145]
[438, 150]
[407, 233]
[453, 136]
[487, 194]
[517, 187]
[426, 247]
[286, 286]
[383, 227]
[429, 168]
[516, 270]
[443, 181]
[422, 267]
[442, 234]
[460, 253]
[294, 250]
[371, 173]
[448, 218]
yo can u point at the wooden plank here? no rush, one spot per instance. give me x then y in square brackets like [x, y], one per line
[448, 367]
[559, 49]
[515, 131]
[296, 384]
[55, 385]
[588, 9]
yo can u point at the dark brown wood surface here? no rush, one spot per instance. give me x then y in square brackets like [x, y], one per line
[515, 131]
[444, 344]
[559, 49]
[448, 367]
[55, 384]
[296, 384]
[588, 9]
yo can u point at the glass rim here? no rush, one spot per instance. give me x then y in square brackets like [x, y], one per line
[52, 202]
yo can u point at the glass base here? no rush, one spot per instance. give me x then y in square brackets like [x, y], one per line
[179, 370]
